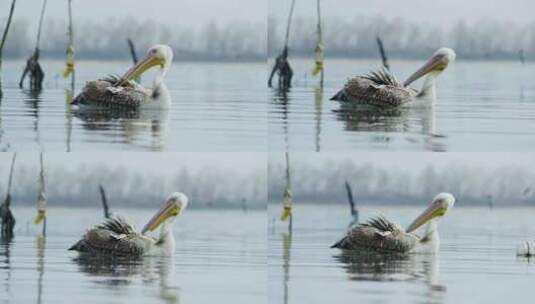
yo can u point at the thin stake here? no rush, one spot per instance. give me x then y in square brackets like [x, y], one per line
[134, 55]
[384, 58]
[132, 50]
[288, 24]
[352, 205]
[40, 25]
[71, 44]
[104, 202]
[320, 43]
[4, 37]
[350, 198]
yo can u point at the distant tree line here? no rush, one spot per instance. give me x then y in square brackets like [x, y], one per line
[79, 186]
[484, 39]
[235, 41]
[378, 184]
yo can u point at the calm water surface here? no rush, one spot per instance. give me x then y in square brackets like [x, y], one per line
[220, 257]
[215, 106]
[476, 263]
[481, 106]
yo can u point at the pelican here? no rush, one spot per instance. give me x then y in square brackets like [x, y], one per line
[382, 235]
[124, 92]
[119, 238]
[381, 89]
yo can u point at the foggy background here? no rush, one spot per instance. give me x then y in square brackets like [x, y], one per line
[218, 180]
[233, 30]
[406, 178]
[409, 29]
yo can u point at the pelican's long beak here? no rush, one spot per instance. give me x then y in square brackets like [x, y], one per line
[169, 209]
[433, 64]
[149, 61]
[430, 213]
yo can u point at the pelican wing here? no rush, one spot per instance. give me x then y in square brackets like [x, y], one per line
[102, 92]
[114, 237]
[378, 234]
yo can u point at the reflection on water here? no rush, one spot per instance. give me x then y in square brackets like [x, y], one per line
[40, 243]
[218, 107]
[287, 248]
[401, 120]
[412, 268]
[114, 272]
[318, 103]
[133, 124]
[472, 112]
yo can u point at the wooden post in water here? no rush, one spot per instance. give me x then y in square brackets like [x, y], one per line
[69, 69]
[4, 37]
[282, 66]
[33, 68]
[134, 55]
[104, 202]
[132, 50]
[352, 205]
[382, 51]
[319, 51]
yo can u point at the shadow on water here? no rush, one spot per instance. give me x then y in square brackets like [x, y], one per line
[394, 268]
[120, 272]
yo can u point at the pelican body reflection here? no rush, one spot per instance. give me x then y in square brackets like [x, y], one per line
[423, 268]
[116, 272]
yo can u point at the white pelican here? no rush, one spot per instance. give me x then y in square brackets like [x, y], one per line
[381, 235]
[124, 92]
[117, 237]
[382, 89]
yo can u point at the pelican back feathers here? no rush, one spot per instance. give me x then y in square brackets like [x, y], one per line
[113, 237]
[379, 89]
[104, 93]
[379, 235]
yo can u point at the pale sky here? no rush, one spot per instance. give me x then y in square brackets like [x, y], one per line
[198, 12]
[437, 12]
[192, 13]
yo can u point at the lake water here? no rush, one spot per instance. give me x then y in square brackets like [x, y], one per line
[220, 257]
[215, 107]
[481, 106]
[476, 263]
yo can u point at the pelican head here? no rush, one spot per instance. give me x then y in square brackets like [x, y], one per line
[440, 205]
[434, 66]
[174, 205]
[160, 55]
